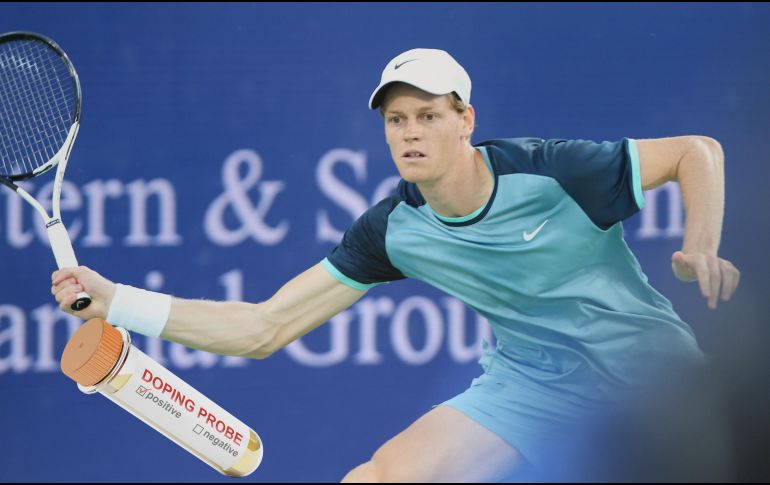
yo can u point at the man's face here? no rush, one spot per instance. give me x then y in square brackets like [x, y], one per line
[426, 135]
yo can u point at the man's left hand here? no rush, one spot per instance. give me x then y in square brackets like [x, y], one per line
[711, 272]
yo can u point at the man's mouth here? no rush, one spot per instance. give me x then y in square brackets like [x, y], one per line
[413, 154]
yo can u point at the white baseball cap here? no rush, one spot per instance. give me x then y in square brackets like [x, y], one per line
[431, 70]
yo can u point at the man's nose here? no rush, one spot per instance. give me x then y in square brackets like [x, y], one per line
[411, 131]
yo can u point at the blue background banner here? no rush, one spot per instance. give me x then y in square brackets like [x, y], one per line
[224, 148]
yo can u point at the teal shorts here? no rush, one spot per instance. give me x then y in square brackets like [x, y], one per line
[550, 416]
[536, 416]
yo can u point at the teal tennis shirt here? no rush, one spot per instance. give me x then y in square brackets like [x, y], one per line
[544, 261]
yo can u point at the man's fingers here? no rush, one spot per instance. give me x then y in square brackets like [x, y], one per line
[728, 285]
[67, 290]
[61, 275]
[67, 297]
[731, 277]
[62, 285]
[717, 277]
[702, 271]
[684, 267]
[715, 281]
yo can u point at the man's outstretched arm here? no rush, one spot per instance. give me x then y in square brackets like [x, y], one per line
[697, 163]
[230, 328]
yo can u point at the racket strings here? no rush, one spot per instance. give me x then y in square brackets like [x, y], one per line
[38, 105]
[40, 124]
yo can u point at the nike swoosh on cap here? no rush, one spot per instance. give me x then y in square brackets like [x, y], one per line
[401, 64]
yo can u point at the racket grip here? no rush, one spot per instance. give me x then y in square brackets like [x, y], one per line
[82, 302]
[65, 256]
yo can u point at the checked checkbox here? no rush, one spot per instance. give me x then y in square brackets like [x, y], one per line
[141, 390]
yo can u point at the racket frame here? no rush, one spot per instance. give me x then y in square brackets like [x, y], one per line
[57, 233]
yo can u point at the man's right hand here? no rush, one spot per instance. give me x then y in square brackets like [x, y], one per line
[66, 283]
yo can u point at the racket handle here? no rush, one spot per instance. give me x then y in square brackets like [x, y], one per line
[82, 302]
[65, 256]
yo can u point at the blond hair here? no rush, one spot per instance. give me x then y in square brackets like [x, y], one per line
[455, 101]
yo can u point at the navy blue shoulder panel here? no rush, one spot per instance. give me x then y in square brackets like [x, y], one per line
[598, 176]
[409, 193]
[361, 255]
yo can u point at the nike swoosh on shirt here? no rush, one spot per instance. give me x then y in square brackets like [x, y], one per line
[530, 236]
[401, 64]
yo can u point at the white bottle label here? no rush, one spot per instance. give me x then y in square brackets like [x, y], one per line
[173, 407]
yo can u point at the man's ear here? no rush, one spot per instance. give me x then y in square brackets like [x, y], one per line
[469, 121]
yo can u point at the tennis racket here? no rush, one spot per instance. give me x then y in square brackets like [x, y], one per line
[39, 119]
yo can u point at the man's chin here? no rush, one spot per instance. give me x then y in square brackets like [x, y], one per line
[413, 176]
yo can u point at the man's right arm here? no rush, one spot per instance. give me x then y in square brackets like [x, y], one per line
[230, 328]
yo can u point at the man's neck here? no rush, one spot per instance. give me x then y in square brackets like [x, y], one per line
[464, 190]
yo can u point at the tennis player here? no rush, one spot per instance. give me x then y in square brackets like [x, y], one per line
[526, 232]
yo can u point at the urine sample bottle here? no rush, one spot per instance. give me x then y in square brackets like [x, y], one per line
[100, 358]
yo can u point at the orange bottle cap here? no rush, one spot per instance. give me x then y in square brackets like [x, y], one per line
[92, 352]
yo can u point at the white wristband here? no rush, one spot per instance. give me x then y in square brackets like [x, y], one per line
[138, 310]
